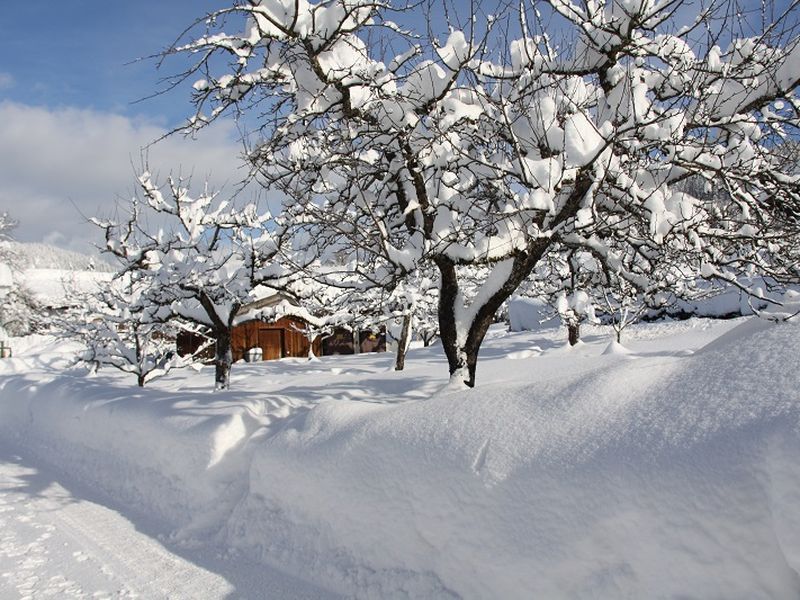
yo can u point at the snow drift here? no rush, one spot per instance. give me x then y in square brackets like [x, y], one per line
[650, 474]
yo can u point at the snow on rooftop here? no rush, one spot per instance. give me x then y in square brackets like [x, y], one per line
[6, 277]
[54, 287]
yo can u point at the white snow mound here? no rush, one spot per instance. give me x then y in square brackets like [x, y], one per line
[580, 477]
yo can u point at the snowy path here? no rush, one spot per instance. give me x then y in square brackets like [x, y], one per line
[55, 544]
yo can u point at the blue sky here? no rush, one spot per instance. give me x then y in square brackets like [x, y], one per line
[72, 132]
[80, 53]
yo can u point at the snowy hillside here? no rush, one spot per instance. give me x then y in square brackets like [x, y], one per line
[54, 276]
[44, 256]
[665, 469]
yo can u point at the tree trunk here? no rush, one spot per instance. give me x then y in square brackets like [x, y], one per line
[574, 332]
[311, 355]
[223, 331]
[462, 358]
[448, 296]
[462, 341]
[139, 359]
[461, 347]
[223, 359]
[402, 343]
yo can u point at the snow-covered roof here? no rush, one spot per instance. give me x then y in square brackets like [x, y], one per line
[263, 297]
[6, 277]
[54, 287]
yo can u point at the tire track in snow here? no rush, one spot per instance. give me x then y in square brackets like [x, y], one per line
[54, 545]
[136, 560]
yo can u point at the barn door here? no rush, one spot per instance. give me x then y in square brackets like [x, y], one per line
[271, 343]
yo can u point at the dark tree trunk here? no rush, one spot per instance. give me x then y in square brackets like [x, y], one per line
[402, 343]
[448, 296]
[139, 359]
[573, 333]
[462, 347]
[223, 358]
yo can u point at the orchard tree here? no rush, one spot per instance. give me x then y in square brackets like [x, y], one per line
[201, 256]
[579, 287]
[488, 148]
[119, 327]
[564, 281]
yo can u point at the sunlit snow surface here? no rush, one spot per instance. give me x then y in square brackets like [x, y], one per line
[665, 468]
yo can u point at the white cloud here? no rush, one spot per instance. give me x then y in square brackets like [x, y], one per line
[60, 166]
[6, 81]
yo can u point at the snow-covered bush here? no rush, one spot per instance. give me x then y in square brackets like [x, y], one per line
[20, 313]
[119, 327]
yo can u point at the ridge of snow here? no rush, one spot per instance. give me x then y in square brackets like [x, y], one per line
[564, 475]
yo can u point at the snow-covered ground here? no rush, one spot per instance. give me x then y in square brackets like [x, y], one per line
[59, 542]
[668, 468]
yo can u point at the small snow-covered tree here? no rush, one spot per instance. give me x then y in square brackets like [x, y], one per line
[202, 262]
[413, 306]
[7, 225]
[119, 327]
[484, 152]
[564, 280]
[20, 312]
[574, 309]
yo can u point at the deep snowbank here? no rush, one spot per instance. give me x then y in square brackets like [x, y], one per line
[580, 475]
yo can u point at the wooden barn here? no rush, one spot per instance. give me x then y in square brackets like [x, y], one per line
[284, 338]
[278, 339]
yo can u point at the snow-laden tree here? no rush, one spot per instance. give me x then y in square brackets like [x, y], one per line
[120, 327]
[202, 256]
[7, 225]
[564, 281]
[578, 287]
[623, 304]
[20, 312]
[488, 148]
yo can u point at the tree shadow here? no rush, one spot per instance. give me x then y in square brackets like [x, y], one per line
[32, 478]
[29, 481]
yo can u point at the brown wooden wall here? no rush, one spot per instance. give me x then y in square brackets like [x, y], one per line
[276, 340]
[189, 343]
[282, 339]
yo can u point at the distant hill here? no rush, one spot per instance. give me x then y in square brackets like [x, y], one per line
[44, 256]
